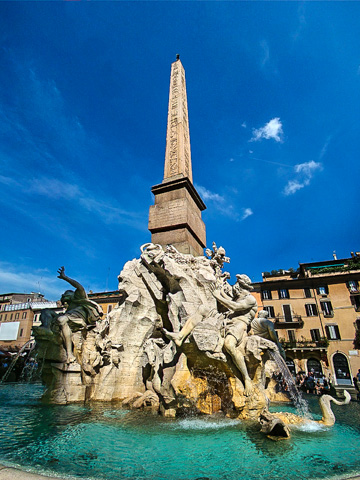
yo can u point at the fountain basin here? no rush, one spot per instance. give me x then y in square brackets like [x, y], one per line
[103, 441]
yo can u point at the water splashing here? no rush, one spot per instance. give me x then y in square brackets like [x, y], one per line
[14, 360]
[299, 402]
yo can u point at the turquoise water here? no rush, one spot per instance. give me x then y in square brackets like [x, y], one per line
[102, 441]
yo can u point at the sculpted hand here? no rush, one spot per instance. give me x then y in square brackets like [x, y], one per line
[61, 272]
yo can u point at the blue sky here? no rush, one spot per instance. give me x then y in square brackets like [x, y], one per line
[273, 95]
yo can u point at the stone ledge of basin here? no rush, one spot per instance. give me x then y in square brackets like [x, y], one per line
[11, 473]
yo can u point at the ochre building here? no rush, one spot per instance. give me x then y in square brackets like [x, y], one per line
[18, 313]
[316, 311]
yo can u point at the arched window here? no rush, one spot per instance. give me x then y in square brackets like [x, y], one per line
[341, 369]
[313, 365]
[291, 366]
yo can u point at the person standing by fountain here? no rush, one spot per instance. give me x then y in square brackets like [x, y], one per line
[80, 313]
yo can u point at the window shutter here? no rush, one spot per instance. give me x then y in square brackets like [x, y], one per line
[327, 332]
[337, 331]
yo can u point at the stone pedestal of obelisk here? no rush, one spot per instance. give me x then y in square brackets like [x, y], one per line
[175, 218]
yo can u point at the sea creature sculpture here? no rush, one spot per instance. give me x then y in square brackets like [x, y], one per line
[276, 425]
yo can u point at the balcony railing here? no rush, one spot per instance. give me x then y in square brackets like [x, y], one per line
[311, 344]
[295, 321]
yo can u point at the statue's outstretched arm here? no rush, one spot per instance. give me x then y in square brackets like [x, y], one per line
[72, 282]
[238, 306]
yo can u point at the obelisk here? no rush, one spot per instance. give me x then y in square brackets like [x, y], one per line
[176, 216]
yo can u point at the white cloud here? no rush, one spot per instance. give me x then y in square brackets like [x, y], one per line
[244, 125]
[220, 203]
[18, 279]
[301, 22]
[54, 188]
[109, 212]
[8, 181]
[272, 129]
[304, 173]
[208, 195]
[308, 168]
[292, 187]
[13, 279]
[265, 52]
[246, 213]
[324, 148]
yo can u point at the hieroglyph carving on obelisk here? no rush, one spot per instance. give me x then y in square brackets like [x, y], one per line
[177, 155]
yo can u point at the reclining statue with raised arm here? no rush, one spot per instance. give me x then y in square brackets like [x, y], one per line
[81, 313]
[242, 307]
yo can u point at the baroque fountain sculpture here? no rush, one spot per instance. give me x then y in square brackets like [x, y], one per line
[182, 339]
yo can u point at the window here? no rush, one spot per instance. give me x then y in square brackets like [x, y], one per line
[291, 335]
[307, 292]
[327, 309]
[355, 300]
[284, 293]
[315, 334]
[311, 310]
[5, 318]
[109, 308]
[322, 290]
[341, 369]
[291, 366]
[11, 316]
[332, 332]
[313, 365]
[270, 311]
[0, 318]
[266, 295]
[17, 315]
[24, 315]
[21, 332]
[287, 313]
[353, 286]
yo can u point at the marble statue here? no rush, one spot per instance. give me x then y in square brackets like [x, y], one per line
[263, 327]
[182, 338]
[80, 313]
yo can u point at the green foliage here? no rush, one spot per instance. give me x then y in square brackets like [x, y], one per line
[353, 264]
[323, 342]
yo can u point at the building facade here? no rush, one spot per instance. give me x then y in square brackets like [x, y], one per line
[107, 300]
[18, 313]
[316, 312]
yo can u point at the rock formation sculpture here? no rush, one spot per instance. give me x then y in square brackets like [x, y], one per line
[179, 340]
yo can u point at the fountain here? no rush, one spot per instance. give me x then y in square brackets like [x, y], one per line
[181, 341]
